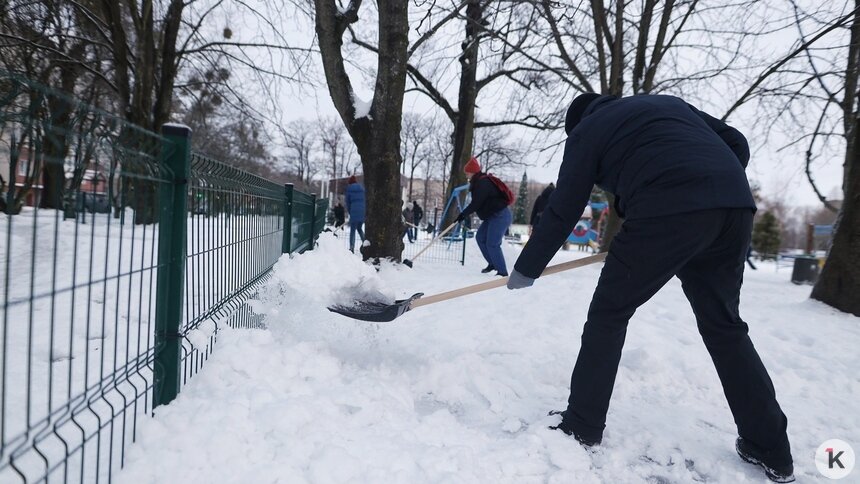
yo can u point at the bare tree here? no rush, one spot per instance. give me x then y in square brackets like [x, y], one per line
[338, 151]
[417, 137]
[496, 33]
[374, 126]
[46, 41]
[135, 50]
[498, 151]
[647, 47]
[300, 140]
[812, 89]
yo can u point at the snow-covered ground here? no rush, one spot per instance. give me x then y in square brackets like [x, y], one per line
[459, 391]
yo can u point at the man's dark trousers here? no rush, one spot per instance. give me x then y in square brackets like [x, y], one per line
[706, 250]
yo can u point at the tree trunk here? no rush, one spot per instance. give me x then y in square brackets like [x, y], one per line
[464, 125]
[839, 283]
[377, 132]
[613, 224]
[57, 136]
[384, 229]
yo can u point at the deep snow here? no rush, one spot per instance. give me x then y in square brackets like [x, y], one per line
[459, 391]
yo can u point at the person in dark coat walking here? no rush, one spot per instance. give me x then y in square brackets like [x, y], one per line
[491, 206]
[678, 176]
[339, 215]
[355, 203]
[417, 215]
[539, 206]
[409, 218]
[749, 259]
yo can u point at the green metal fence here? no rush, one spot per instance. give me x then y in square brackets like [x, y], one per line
[111, 299]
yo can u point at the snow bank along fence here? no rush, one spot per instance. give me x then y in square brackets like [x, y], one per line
[108, 308]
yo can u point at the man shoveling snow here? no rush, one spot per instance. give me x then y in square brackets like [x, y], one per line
[678, 179]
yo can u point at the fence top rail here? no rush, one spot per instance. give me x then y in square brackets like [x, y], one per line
[210, 173]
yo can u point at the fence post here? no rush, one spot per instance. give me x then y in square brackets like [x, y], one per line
[313, 221]
[463, 254]
[287, 244]
[172, 233]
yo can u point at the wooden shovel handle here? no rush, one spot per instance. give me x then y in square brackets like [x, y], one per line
[464, 291]
[442, 234]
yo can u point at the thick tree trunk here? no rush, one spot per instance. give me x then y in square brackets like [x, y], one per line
[464, 125]
[57, 138]
[613, 224]
[382, 166]
[377, 132]
[839, 283]
[384, 229]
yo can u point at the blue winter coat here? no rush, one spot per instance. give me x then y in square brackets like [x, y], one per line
[355, 202]
[657, 154]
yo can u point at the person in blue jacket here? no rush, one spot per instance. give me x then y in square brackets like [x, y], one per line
[491, 206]
[355, 203]
[678, 176]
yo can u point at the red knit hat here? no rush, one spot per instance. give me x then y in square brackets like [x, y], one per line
[472, 166]
[352, 179]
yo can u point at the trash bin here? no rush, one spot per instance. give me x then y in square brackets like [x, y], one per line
[805, 270]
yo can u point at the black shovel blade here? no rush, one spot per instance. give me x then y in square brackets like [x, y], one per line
[376, 312]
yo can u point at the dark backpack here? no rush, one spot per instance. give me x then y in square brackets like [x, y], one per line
[506, 192]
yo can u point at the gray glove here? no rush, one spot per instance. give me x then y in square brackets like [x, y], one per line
[519, 281]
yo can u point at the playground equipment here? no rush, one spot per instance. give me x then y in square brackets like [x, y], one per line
[455, 197]
[586, 232]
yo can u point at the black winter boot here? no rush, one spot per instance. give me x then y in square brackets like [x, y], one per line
[487, 269]
[776, 463]
[566, 429]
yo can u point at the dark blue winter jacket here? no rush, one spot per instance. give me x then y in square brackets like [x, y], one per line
[657, 154]
[355, 202]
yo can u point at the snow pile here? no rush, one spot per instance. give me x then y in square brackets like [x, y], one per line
[326, 275]
[459, 391]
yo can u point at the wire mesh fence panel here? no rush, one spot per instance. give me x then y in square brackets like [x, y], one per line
[121, 254]
[77, 282]
[235, 235]
[302, 226]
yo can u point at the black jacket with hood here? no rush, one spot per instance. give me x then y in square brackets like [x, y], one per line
[657, 154]
[540, 204]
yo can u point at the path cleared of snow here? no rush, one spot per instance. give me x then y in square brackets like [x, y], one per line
[458, 392]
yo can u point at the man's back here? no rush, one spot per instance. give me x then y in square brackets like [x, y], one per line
[660, 156]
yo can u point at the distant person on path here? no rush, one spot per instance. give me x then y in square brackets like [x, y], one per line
[339, 215]
[355, 203]
[490, 202]
[749, 259]
[409, 219]
[678, 178]
[2, 195]
[539, 206]
[417, 215]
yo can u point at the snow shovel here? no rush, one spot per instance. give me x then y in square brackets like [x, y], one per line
[442, 234]
[379, 312]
